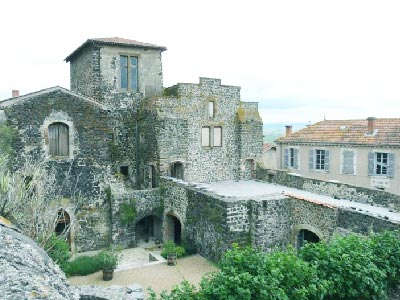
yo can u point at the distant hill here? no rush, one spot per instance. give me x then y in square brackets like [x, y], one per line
[272, 131]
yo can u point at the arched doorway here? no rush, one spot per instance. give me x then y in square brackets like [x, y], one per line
[306, 236]
[249, 169]
[63, 224]
[173, 229]
[177, 170]
[148, 229]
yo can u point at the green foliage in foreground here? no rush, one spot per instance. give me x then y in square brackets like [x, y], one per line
[351, 267]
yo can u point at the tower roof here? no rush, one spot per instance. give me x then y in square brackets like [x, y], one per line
[113, 41]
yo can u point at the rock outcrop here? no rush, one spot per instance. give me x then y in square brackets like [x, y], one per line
[27, 272]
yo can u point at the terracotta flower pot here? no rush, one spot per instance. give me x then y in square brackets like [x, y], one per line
[171, 259]
[108, 274]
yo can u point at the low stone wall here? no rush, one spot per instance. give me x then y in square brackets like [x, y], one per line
[363, 223]
[335, 190]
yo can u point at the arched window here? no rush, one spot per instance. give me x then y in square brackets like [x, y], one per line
[59, 139]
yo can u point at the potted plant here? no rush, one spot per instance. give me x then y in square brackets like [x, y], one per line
[169, 251]
[110, 259]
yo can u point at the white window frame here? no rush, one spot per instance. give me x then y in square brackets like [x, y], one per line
[211, 136]
[320, 164]
[381, 164]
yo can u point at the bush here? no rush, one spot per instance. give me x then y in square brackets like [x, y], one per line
[386, 252]
[170, 247]
[348, 263]
[348, 268]
[84, 265]
[58, 250]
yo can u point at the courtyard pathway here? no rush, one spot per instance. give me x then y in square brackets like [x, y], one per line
[159, 277]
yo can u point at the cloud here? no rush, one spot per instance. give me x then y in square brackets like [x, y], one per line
[300, 59]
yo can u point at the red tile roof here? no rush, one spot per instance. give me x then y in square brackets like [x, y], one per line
[117, 41]
[348, 132]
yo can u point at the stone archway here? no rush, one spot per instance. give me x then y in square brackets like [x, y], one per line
[305, 234]
[173, 229]
[148, 229]
[63, 225]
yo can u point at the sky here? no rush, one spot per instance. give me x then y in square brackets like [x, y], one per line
[303, 61]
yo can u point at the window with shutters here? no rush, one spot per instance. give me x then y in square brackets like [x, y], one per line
[348, 165]
[320, 156]
[129, 72]
[291, 158]
[59, 140]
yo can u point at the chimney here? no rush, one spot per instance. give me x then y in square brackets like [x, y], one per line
[288, 130]
[15, 93]
[371, 125]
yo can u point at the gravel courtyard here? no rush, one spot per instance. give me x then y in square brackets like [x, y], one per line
[159, 277]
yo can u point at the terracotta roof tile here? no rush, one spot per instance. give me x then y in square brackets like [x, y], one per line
[348, 132]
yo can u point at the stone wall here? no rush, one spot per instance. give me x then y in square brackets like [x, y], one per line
[144, 202]
[335, 190]
[183, 114]
[363, 223]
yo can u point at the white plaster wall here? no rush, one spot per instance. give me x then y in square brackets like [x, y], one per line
[360, 178]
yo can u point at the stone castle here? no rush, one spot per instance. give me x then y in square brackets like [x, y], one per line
[181, 159]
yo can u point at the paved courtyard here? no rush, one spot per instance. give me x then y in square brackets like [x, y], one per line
[159, 276]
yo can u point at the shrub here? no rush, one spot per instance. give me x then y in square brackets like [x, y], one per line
[386, 252]
[84, 265]
[58, 250]
[180, 251]
[109, 259]
[348, 264]
[170, 247]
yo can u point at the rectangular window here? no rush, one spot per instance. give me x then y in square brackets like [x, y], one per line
[381, 163]
[320, 159]
[124, 71]
[211, 109]
[133, 79]
[129, 72]
[217, 136]
[205, 136]
[291, 157]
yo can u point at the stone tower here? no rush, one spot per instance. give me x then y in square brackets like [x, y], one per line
[116, 71]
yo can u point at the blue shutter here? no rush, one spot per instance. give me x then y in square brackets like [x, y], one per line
[286, 158]
[326, 166]
[391, 165]
[348, 162]
[296, 158]
[371, 163]
[311, 159]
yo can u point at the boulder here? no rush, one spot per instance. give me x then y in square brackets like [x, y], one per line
[27, 272]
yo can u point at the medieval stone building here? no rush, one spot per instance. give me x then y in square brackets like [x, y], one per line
[118, 129]
[171, 164]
